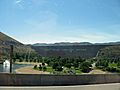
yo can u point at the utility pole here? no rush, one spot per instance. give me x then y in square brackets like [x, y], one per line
[11, 57]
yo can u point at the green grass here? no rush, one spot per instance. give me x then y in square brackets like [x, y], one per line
[49, 69]
[36, 68]
[112, 65]
[78, 71]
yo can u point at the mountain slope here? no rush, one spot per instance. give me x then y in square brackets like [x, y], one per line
[111, 52]
[6, 41]
[83, 51]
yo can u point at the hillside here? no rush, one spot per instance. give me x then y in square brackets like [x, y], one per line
[112, 52]
[67, 49]
[83, 51]
[108, 59]
[19, 48]
[6, 40]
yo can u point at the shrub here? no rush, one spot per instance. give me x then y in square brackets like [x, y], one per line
[40, 67]
[44, 68]
[35, 67]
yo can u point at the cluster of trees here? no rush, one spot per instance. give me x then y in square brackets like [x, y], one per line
[23, 57]
[59, 63]
[106, 65]
[109, 59]
[41, 67]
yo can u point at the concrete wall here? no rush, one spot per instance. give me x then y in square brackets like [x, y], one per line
[44, 80]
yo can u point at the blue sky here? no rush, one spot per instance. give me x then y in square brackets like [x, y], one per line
[49, 21]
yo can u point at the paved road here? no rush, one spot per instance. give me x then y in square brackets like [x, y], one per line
[115, 86]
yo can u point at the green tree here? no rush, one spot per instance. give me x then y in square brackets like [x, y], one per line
[40, 67]
[85, 67]
[35, 66]
[59, 68]
[68, 65]
[44, 68]
[55, 65]
[43, 64]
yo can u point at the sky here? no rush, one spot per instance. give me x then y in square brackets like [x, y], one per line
[50, 21]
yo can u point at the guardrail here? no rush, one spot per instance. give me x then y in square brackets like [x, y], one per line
[56, 80]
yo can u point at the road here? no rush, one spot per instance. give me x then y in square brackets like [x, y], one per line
[114, 86]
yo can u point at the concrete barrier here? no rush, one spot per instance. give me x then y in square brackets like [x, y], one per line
[56, 80]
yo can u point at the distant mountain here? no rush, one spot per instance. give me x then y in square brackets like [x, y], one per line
[41, 44]
[75, 44]
[6, 41]
[109, 43]
[62, 44]
[67, 49]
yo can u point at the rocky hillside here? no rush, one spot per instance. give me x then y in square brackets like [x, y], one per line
[111, 52]
[83, 51]
[6, 41]
[108, 59]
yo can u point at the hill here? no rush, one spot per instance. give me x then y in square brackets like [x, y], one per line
[6, 40]
[67, 49]
[19, 48]
[83, 51]
[108, 59]
[111, 52]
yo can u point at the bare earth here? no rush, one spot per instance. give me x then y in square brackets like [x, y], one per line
[29, 70]
[27, 63]
[97, 71]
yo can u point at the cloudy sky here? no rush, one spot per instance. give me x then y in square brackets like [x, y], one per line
[49, 21]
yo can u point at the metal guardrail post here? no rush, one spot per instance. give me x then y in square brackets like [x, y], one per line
[11, 57]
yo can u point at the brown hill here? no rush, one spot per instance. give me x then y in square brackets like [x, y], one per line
[6, 41]
[83, 51]
[111, 52]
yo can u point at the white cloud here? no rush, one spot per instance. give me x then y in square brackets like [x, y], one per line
[18, 1]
